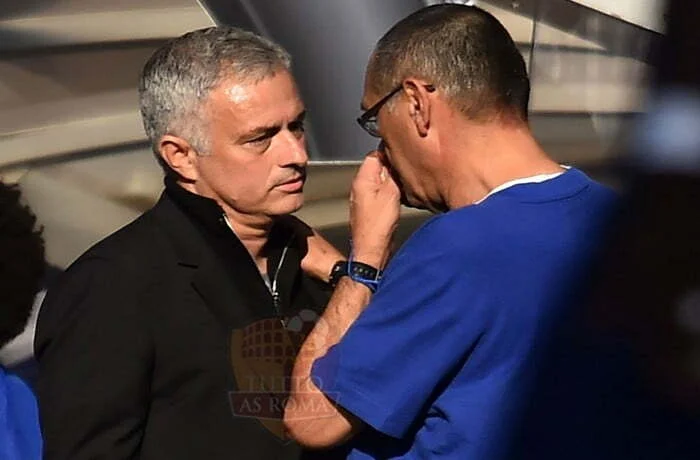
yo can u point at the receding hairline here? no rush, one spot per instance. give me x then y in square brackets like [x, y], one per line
[482, 72]
[231, 79]
[178, 78]
[394, 43]
[227, 73]
[219, 98]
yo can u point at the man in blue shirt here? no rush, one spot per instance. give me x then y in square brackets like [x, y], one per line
[438, 363]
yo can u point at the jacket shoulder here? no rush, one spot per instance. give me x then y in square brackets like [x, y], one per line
[136, 246]
[106, 279]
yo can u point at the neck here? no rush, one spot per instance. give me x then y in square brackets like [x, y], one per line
[487, 156]
[252, 230]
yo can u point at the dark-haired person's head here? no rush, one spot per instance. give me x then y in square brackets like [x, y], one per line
[462, 50]
[443, 64]
[21, 262]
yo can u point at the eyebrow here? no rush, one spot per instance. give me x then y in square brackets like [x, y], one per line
[300, 117]
[262, 131]
[269, 131]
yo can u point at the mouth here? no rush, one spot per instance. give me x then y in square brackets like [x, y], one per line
[293, 185]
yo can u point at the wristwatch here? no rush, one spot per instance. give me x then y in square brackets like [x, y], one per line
[357, 271]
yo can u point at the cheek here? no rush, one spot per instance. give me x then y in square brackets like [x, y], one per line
[397, 162]
[251, 181]
[236, 180]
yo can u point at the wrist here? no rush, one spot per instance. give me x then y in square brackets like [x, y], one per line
[357, 271]
[319, 264]
[324, 270]
[375, 255]
[375, 261]
[376, 258]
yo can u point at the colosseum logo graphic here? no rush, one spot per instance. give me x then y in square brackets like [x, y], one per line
[262, 356]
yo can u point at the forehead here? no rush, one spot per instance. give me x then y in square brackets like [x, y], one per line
[374, 82]
[369, 95]
[274, 99]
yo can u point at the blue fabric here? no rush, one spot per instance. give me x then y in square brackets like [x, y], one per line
[440, 362]
[27, 370]
[20, 436]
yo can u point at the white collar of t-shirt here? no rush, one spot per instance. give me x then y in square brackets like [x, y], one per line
[539, 178]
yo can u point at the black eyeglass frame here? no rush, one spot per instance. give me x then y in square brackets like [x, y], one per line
[370, 115]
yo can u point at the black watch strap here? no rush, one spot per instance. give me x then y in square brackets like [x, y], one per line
[358, 271]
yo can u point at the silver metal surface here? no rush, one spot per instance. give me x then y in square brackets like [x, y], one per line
[330, 42]
[70, 132]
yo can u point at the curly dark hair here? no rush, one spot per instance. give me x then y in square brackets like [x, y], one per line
[22, 262]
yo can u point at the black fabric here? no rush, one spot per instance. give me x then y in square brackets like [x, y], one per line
[209, 218]
[135, 341]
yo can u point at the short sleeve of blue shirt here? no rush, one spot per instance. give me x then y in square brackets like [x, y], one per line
[418, 328]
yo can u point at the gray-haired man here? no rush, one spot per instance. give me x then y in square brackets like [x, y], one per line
[168, 339]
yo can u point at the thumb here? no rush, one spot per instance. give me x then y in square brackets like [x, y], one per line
[373, 168]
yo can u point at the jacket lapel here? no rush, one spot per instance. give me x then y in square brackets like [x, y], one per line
[209, 278]
[234, 304]
[221, 296]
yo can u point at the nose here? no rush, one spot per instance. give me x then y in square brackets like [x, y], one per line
[294, 152]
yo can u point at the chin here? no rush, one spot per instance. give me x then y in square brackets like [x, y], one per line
[415, 205]
[287, 205]
[408, 199]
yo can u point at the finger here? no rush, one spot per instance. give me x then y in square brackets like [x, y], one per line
[375, 155]
[387, 172]
[371, 167]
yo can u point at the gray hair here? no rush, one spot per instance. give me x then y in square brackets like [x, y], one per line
[462, 50]
[177, 79]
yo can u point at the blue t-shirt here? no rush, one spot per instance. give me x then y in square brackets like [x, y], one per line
[20, 436]
[439, 363]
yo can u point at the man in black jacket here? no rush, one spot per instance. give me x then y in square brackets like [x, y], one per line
[171, 338]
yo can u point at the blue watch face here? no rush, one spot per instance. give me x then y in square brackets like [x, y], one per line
[358, 271]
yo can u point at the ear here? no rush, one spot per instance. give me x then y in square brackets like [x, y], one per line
[419, 107]
[180, 156]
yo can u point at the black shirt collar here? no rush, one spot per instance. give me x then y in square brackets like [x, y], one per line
[206, 211]
[210, 217]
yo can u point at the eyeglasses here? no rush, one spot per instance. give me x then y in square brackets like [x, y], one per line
[368, 120]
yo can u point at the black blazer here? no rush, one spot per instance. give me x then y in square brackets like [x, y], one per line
[138, 355]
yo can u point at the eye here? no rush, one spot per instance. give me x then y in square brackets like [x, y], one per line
[297, 127]
[260, 143]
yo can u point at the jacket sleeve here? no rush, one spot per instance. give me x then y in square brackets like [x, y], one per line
[94, 354]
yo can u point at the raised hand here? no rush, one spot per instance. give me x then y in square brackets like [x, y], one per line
[374, 210]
